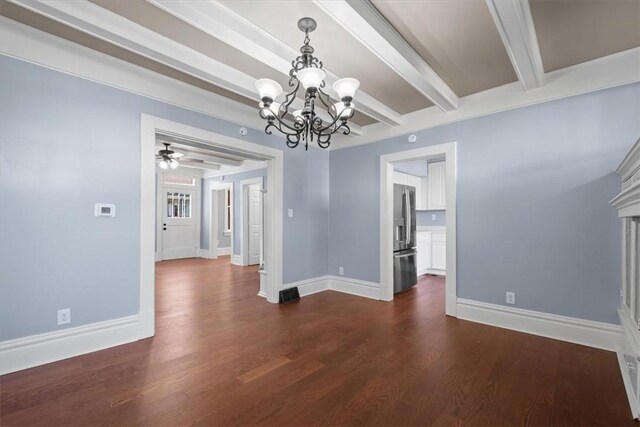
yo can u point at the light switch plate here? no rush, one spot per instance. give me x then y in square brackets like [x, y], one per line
[433, 217]
[290, 213]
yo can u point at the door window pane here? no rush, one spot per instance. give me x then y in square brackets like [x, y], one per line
[178, 205]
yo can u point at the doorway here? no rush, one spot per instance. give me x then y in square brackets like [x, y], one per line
[445, 244]
[151, 127]
[178, 214]
[251, 221]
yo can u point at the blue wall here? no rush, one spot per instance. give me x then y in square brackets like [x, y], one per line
[533, 213]
[206, 205]
[67, 143]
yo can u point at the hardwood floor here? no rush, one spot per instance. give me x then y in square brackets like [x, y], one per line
[223, 356]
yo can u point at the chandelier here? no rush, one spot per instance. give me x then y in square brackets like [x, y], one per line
[306, 124]
[167, 158]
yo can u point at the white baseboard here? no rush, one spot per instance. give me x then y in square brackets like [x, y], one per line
[224, 251]
[310, 286]
[208, 254]
[158, 256]
[236, 260]
[436, 272]
[357, 287]
[35, 350]
[579, 331]
[205, 253]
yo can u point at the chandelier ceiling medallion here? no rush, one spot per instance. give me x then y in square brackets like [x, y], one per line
[307, 124]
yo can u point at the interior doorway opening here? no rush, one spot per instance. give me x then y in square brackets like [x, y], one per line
[197, 192]
[418, 222]
[206, 205]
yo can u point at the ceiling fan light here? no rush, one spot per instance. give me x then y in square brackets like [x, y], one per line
[346, 87]
[173, 164]
[272, 110]
[342, 110]
[311, 77]
[268, 88]
[163, 165]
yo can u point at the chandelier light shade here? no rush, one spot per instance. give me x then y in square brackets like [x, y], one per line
[268, 88]
[311, 78]
[346, 87]
[320, 116]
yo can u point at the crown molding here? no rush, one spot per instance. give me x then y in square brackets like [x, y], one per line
[115, 29]
[38, 47]
[602, 73]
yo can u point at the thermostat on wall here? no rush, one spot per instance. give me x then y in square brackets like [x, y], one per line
[103, 209]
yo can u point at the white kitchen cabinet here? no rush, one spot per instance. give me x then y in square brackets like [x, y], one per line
[424, 252]
[436, 179]
[439, 252]
[415, 182]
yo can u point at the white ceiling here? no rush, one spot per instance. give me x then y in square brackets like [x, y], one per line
[413, 58]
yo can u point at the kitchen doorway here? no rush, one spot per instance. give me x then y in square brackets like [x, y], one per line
[436, 193]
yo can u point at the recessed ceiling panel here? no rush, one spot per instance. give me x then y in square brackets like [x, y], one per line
[458, 39]
[336, 48]
[55, 28]
[156, 19]
[574, 31]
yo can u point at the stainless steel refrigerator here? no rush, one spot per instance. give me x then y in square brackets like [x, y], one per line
[405, 273]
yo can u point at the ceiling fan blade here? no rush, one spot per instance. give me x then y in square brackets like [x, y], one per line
[177, 155]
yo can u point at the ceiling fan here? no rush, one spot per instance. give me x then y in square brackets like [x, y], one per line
[168, 157]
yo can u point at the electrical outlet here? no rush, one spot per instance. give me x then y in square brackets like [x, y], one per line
[511, 297]
[64, 316]
[433, 217]
[341, 271]
[290, 212]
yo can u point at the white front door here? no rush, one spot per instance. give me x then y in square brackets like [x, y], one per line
[255, 223]
[179, 223]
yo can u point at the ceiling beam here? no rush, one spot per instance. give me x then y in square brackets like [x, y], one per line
[113, 28]
[198, 165]
[515, 25]
[363, 21]
[206, 157]
[227, 26]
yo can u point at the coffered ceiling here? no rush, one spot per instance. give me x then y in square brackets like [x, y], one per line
[410, 56]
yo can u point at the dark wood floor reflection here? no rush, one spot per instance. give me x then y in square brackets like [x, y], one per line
[223, 356]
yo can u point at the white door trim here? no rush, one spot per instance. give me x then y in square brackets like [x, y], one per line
[244, 223]
[149, 125]
[214, 220]
[386, 215]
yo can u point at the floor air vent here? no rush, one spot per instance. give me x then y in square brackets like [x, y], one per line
[289, 295]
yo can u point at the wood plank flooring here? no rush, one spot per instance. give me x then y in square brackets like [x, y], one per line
[224, 356]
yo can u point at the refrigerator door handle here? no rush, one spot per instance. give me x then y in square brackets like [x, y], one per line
[408, 217]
